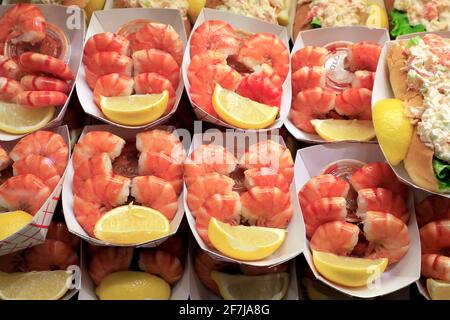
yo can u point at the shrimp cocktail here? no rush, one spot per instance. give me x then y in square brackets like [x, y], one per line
[34, 75]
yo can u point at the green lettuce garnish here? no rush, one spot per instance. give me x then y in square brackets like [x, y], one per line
[401, 24]
[412, 42]
[315, 23]
[442, 172]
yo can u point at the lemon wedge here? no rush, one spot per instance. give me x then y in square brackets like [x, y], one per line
[11, 222]
[239, 287]
[43, 285]
[91, 6]
[195, 7]
[377, 17]
[133, 285]
[242, 112]
[131, 224]
[393, 129]
[339, 130]
[135, 110]
[17, 119]
[245, 243]
[438, 290]
[348, 271]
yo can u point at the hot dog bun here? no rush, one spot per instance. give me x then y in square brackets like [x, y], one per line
[300, 22]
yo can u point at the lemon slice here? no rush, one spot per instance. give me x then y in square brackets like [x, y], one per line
[135, 110]
[239, 287]
[195, 7]
[338, 130]
[245, 243]
[17, 119]
[393, 129]
[131, 224]
[438, 290]
[242, 112]
[11, 222]
[133, 285]
[91, 6]
[348, 271]
[377, 17]
[43, 285]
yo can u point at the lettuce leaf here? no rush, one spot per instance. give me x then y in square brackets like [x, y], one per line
[401, 24]
[315, 23]
[442, 172]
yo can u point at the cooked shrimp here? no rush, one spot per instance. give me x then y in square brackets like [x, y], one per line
[308, 77]
[9, 89]
[435, 237]
[337, 237]
[59, 231]
[435, 266]
[355, 103]
[159, 36]
[37, 62]
[5, 160]
[377, 175]
[214, 35]
[155, 193]
[38, 99]
[364, 56]
[269, 154]
[22, 22]
[87, 213]
[266, 207]
[113, 85]
[309, 56]
[258, 271]
[322, 211]
[175, 245]
[129, 29]
[204, 264]
[106, 260]
[265, 177]
[322, 186]
[40, 166]
[102, 63]
[42, 83]
[260, 88]
[432, 208]
[106, 42]
[380, 199]
[161, 141]
[387, 235]
[150, 83]
[25, 192]
[162, 264]
[363, 79]
[203, 83]
[50, 255]
[199, 61]
[12, 262]
[44, 143]
[203, 187]
[223, 207]
[9, 68]
[161, 62]
[313, 103]
[265, 48]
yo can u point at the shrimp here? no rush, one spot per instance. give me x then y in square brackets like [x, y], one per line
[363, 79]
[39, 99]
[112, 85]
[102, 63]
[355, 103]
[199, 61]
[204, 187]
[106, 42]
[151, 83]
[42, 83]
[322, 211]
[308, 77]
[380, 199]
[107, 260]
[87, 213]
[12, 262]
[38, 62]
[176, 246]
[50, 255]
[161, 141]
[260, 88]
[154, 60]
[155, 193]
[162, 166]
[224, 207]
[266, 207]
[269, 154]
[265, 177]
[364, 56]
[22, 22]
[435, 266]
[5, 160]
[337, 237]
[9, 68]
[129, 29]
[435, 237]
[214, 35]
[322, 186]
[387, 235]
[25, 192]
[159, 36]
[432, 208]
[265, 48]
[162, 264]
[44, 143]
[204, 264]
[377, 175]
[203, 83]
[309, 56]
[40, 166]
[313, 103]
[9, 89]
[59, 231]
